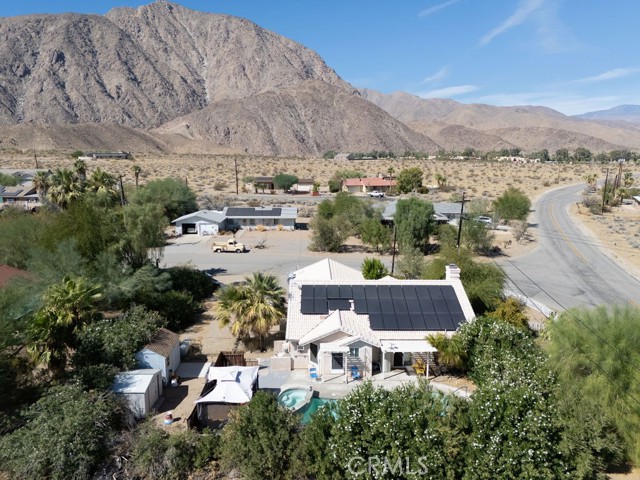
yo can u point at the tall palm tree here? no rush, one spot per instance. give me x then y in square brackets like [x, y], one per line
[102, 181]
[80, 167]
[67, 307]
[252, 308]
[64, 187]
[41, 182]
[136, 173]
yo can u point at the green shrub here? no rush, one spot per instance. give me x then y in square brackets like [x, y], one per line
[194, 282]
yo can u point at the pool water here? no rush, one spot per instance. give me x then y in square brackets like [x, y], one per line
[312, 407]
[292, 398]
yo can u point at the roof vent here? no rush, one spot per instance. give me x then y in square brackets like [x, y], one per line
[452, 272]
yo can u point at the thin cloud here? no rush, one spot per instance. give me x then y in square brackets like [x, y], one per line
[609, 75]
[449, 91]
[436, 77]
[521, 15]
[436, 8]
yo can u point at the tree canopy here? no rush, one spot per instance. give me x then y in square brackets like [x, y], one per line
[513, 204]
[414, 223]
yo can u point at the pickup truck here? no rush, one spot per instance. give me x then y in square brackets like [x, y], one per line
[376, 193]
[231, 245]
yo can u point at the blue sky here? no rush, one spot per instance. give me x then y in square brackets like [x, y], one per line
[571, 55]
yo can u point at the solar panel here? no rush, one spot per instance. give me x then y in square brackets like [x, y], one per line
[339, 304]
[306, 306]
[396, 291]
[386, 305]
[435, 292]
[426, 305]
[413, 306]
[457, 319]
[320, 292]
[307, 291]
[373, 306]
[409, 292]
[422, 291]
[431, 319]
[389, 320]
[384, 292]
[417, 320]
[375, 321]
[358, 291]
[404, 321]
[400, 305]
[370, 291]
[454, 306]
[360, 306]
[320, 306]
[345, 291]
[448, 292]
[445, 322]
[440, 305]
[333, 291]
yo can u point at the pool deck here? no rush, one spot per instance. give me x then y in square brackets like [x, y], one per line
[335, 387]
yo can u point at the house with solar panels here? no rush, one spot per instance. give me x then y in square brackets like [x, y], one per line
[337, 320]
[210, 222]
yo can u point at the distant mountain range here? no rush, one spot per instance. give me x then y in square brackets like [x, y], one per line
[163, 78]
[621, 113]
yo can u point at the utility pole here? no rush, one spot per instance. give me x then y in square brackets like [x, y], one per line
[460, 227]
[35, 157]
[235, 164]
[604, 190]
[122, 199]
[393, 258]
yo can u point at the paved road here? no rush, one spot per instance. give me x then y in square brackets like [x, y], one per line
[568, 268]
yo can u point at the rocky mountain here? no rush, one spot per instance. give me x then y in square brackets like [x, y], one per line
[621, 113]
[297, 120]
[527, 127]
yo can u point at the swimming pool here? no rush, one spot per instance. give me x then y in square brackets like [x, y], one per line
[294, 398]
[312, 407]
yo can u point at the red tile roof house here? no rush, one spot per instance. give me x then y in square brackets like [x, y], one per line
[364, 185]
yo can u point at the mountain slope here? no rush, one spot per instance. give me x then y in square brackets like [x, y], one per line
[621, 113]
[457, 137]
[140, 67]
[307, 119]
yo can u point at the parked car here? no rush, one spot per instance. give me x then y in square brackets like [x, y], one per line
[230, 245]
[484, 219]
[376, 193]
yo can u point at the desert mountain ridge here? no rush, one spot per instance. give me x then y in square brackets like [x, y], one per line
[164, 78]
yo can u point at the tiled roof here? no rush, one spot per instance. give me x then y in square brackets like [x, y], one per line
[327, 269]
[210, 215]
[163, 342]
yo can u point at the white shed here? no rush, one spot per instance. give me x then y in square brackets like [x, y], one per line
[140, 389]
[162, 352]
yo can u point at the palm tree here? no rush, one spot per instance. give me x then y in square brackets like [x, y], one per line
[64, 187]
[441, 180]
[628, 179]
[41, 182]
[102, 181]
[136, 173]
[252, 308]
[68, 306]
[80, 167]
[591, 179]
[450, 350]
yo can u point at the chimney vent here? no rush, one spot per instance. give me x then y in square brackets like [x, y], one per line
[452, 272]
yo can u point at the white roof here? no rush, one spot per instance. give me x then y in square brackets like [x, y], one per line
[206, 215]
[308, 328]
[326, 269]
[235, 384]
[409, 346]
[134, 381]
[333, 348]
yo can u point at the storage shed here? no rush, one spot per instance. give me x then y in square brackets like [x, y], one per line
[140, 389]
[162, 352]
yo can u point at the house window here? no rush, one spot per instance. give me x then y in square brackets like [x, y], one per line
[354, 352]
[337, 362]
[252, 221]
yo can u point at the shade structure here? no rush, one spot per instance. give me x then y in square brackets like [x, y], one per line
[234, 384]
[407, 346]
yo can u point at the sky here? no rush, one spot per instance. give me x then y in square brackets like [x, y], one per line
[573, 56]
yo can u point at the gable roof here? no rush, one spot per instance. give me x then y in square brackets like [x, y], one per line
[8, 273]
[260, 212]
[163, 342]
[207, 215]
[374, 310]
[326, 269]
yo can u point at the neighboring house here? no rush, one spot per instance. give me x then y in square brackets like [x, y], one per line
[263, 183]
[24, 195]
[337, 320]
[443, 211]
[140, 389]
[204, 222]
[304, 185]
[210, 222]
[364, 185]
[8, 273]
[162, 352]
[342, 156]
[269, 217]
[97, 155]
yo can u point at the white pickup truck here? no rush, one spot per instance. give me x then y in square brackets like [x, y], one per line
[376, 193]
[231, 245]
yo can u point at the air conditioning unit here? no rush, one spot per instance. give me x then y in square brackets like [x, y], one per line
[300, 348]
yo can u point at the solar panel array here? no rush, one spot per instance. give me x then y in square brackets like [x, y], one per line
[253, 212]
[390, 307]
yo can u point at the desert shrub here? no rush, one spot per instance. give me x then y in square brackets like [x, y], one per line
[192, 281]
[173, 195]
[375, 234]
[327, 235]
[512, 205]
[409, 179]
[373, 269]
[511, 310]
[259, 439]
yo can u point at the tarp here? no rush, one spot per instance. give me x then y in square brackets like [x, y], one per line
[234, 384]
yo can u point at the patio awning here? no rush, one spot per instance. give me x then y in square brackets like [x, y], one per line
[333, 348]
[407, 346]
